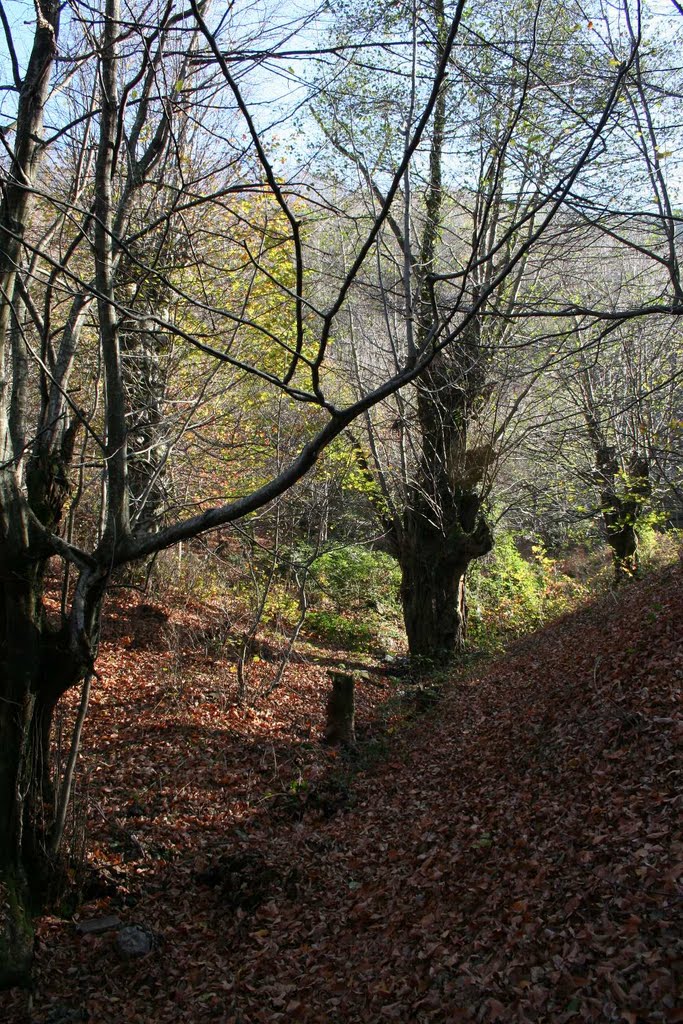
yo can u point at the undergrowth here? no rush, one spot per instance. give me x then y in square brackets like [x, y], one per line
[510, 595]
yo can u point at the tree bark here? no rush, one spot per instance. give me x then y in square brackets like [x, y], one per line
[444, 527]
[621, 502]
[38, 664]
[18, 668]
[434, 563]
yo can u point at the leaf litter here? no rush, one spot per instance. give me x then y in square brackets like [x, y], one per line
[512, 854]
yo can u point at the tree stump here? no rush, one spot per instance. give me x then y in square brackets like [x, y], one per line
[340, 728]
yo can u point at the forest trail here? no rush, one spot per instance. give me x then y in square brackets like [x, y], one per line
[513, 855]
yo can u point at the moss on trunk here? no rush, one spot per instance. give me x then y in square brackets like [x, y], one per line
[16, 933]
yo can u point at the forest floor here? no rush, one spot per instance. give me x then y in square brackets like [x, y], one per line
[505, 850]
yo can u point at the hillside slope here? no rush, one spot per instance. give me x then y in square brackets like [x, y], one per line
[516, 856]
[518, 860]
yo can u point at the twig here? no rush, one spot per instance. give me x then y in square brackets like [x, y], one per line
[70, 769]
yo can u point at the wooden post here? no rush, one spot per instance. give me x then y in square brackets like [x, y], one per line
[340, 709]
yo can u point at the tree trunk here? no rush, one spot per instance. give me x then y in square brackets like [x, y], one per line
[20, 671]
[444, 527]
[38, 664]
[434, 611]
[622, 497]
[433, 566]
[432, 586]
[145, 391]
[623, 540]
[16, 940]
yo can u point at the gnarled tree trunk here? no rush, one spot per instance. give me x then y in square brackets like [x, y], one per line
[444, 527]
[434, 563]
[38, 664]
[433, 595]
[622, 496]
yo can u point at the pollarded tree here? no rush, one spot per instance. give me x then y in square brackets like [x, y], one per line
[496, 160]
[619, 395]
[611, 308]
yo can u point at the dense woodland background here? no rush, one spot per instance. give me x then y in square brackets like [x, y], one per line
[331, 338]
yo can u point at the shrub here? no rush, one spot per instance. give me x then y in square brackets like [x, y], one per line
[341, 632]
[657, 547]
[355, 576]
[510, 595]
